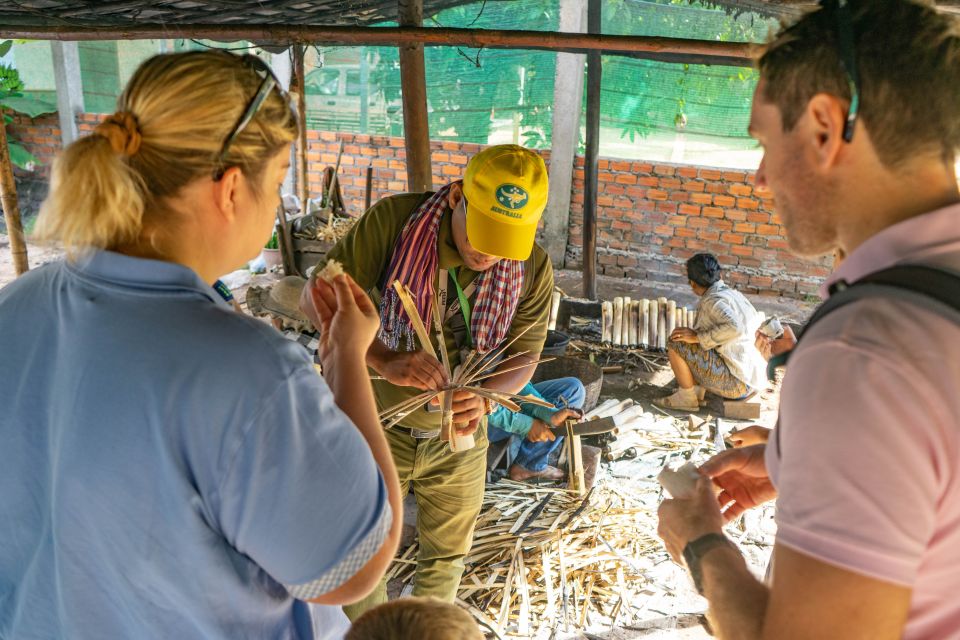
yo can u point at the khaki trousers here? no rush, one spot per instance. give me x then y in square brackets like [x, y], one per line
[449, 491]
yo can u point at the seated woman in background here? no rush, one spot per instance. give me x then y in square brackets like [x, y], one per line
[168, 467]
[717, 354]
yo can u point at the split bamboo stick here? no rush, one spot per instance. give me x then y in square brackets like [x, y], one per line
[625, 322]
[606, 315]
[644, 336]
[671, 317]
[662, 324]
[617, 320]
[653, 318]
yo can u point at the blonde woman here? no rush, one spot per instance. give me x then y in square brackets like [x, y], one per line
[170, 468]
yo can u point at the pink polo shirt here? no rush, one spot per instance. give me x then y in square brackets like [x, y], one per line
[868, 469]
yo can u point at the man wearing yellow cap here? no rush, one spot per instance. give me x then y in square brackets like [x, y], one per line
[471, 246]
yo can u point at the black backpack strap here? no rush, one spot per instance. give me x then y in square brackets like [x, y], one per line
[935, 288]
[932, 287]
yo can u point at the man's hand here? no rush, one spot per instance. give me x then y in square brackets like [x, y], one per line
[560, 417]
[742, 477]
[411, 369]
[468, 409]
[342, 312]
[686, 519]
[764, 344]
[540, 432]
[754, 434]
[684, 334]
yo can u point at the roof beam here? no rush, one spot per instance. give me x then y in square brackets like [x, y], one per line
[672, 49]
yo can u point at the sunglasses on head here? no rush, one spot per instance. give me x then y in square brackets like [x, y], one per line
[848, 56]
[269, 83]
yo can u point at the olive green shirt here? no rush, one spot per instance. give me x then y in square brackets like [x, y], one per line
[365, 253]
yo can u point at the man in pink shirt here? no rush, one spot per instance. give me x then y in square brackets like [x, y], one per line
[858, 112]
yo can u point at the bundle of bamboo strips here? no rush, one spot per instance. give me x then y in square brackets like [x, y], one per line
[467, 376]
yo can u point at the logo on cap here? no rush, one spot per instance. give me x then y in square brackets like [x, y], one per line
[511, 196]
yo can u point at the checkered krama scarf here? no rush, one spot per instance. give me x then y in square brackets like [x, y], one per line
[414, 263]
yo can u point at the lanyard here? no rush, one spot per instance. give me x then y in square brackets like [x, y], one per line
[464, 304]
[461, 302]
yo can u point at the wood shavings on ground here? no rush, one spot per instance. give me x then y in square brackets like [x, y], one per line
[630, 358]
[548, 564]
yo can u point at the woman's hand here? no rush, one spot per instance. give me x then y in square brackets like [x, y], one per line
[684, 334]
[342, 312]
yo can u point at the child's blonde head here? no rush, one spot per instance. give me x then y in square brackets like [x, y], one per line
[419, 618]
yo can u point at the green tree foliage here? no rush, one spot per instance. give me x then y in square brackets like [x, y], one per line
[13, 98]
[468, 90]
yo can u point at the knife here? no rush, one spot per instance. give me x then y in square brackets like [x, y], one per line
[588, 428]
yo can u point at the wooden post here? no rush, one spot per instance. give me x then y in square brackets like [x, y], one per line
[413, 83]
[11, 207]
[567, 107]
[298, 86]
[590, 162]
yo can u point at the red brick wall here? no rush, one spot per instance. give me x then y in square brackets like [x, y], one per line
[651, 217]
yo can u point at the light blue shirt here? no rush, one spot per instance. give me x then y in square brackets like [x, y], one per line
[168, 467]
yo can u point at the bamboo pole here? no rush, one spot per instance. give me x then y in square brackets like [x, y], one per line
[298, 86]
[654, 47]
[11, 206]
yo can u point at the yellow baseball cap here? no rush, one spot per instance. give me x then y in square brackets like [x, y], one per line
[506, 191]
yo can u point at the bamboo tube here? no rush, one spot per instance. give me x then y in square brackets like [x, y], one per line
[634, 311]
[653, 320]
[459, 442]
[603, 406]
[554, 309]
[625, 322]
[644, 337]
[618, 320]
[662, 323]
[607, 322]
[671, 317]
